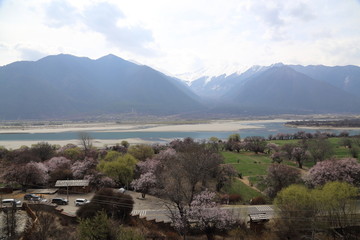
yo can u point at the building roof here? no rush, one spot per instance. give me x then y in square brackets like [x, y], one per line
[72, 183]
[259, 216]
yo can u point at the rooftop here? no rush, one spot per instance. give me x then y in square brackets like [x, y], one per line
[72, 183]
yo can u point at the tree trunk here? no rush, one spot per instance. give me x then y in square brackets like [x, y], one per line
[209, 234]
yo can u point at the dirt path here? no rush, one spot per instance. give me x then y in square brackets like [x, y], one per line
[245, 180]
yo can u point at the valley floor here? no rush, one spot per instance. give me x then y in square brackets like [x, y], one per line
[212, 125]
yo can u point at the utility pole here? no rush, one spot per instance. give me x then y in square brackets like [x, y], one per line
[67, 190]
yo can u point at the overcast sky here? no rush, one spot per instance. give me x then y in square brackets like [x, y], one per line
[178, 36]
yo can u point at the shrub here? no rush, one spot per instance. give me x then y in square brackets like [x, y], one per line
[234, 198]
[259, 200]
[116, 205]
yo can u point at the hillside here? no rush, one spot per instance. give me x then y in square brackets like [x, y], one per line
[282, 89]
[346, 78]
[65, 86]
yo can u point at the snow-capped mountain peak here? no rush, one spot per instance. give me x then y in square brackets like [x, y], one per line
[213, 71]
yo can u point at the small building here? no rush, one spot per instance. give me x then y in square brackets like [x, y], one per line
[73, 186]
[256, 221]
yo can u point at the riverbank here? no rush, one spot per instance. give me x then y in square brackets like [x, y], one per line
[96, 142]
[212, 125]
[208, 126]
[321, 128]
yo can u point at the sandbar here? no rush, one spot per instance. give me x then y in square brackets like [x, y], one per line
[213, 126]
[209, 126]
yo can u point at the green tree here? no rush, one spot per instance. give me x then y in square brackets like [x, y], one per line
[234, 137]
[119, 167]
[73, 153]
[101, 227]
[125, 144]
[96, 228]
[336, 201]
[304, 212]
[320, 149]
[115, 204]
[112, 155]
[43, 150]
[296, 210]
[141, 151]
[214, 142]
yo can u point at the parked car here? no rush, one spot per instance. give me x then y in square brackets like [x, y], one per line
[59, 201]
[31, 197]
[81, 201]
[9, 202]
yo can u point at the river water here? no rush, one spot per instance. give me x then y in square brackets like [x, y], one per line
[266, 129]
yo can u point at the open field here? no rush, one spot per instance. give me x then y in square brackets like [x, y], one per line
[211, 125]
[254, 166]
[245, 191]
[190, 126]
[247, 163]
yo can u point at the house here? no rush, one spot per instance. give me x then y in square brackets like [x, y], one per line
[73, 186]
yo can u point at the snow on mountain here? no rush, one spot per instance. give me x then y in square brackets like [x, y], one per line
[212, 71]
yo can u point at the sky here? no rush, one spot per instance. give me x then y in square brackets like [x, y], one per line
[180, 37]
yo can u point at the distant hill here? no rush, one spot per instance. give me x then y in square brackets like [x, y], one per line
[346, 78]
[284, 89]
[68, 87]
[65, 86]
[214, 87]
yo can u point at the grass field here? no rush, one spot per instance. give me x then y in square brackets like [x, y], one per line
[245, 191]
[247, 163]
[254, 166]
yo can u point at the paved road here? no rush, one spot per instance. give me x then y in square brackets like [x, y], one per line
[153, 208]
[241, 212]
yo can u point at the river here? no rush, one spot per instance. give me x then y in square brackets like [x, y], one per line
[263, 129]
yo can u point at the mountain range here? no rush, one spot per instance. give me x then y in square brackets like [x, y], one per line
[283, 88]
[69, 87]
[65, 86]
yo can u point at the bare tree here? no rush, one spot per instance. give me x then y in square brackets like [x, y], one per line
[45, 227]
[85, 141]
[9, 222]
[180, 174]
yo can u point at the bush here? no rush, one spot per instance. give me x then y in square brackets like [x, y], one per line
[234, 198]
[5, 190]
[230, 198]
[258, 200]
[116, 205]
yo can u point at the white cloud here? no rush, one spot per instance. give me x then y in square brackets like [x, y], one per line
[183, 36]
[60, 13]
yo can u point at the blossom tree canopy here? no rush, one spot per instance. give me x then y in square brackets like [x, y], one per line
[57, 162]
[82, 168]
[345, 170]
[30, 174]
[206, 215]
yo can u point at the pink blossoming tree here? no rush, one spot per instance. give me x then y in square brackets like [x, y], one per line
[205, 214]
[345, 170]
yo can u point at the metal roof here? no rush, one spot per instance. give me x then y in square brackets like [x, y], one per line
[260, 216]
[72, 183]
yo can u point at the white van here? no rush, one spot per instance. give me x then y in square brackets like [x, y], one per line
[9, 202]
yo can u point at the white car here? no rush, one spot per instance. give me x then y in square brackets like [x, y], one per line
[81, 201]
[10, 201]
